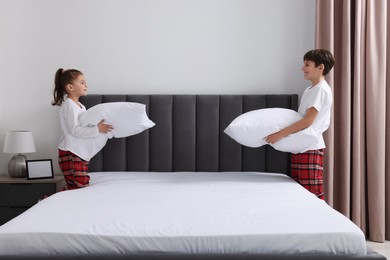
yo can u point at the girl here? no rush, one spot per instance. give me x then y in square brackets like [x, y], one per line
[69, 86]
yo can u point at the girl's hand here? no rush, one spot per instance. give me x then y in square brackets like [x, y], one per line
[104, 128]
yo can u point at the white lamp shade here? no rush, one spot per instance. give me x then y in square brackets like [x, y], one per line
[19, 142]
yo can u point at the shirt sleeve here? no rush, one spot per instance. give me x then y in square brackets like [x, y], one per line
[72, 123]
[318, 99]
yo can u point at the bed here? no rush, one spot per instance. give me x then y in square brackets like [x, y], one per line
[185, 190]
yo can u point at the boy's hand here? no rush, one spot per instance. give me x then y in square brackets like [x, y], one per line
[104, 128]
[273, 138]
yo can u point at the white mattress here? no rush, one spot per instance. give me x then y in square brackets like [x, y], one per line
[137, 212]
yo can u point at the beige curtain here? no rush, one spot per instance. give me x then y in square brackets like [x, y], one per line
[357, 162]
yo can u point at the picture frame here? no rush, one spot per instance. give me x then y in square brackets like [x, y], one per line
[39, 169]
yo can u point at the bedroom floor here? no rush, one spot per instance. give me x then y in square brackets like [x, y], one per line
[381, 248]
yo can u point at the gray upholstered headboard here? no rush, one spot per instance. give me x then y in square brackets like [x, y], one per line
[188, 135]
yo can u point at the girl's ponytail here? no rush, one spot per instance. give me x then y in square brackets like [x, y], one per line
[59, 91]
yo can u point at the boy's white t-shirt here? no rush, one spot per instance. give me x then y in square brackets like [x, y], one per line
[74, 137]
[320, 97]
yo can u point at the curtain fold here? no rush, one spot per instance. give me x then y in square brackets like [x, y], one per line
[356, 172]
[387, 177]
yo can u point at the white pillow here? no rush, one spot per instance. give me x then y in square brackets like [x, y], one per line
[127, 118]
[250, 129]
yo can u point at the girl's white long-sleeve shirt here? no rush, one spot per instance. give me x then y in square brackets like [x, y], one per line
[74, 137]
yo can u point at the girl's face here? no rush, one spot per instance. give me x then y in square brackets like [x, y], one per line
[311, 72]
[78, 87]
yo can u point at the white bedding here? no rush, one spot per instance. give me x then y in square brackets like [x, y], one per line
[197, 212]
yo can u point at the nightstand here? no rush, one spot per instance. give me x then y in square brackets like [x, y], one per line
[19, 194]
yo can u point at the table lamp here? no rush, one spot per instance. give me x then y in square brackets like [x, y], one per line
[18, 142]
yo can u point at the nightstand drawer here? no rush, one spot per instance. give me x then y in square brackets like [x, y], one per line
[8, 213]
[24, 194]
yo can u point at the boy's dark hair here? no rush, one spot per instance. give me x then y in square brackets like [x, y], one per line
[61, 79]
[320, 56]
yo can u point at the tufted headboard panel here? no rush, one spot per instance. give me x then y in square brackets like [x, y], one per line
[188, 135]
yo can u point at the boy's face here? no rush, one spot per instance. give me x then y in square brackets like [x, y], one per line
[311, 72]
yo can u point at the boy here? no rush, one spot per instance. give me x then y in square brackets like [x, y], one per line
[315, 107]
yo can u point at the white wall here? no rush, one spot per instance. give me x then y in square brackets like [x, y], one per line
[145, 46]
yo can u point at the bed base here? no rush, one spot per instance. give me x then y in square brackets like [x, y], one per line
[371, 255]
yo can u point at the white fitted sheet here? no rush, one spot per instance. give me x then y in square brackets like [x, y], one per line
[182, 212]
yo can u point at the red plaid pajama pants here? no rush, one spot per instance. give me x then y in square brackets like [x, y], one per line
[74, 168]
[307, 168]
